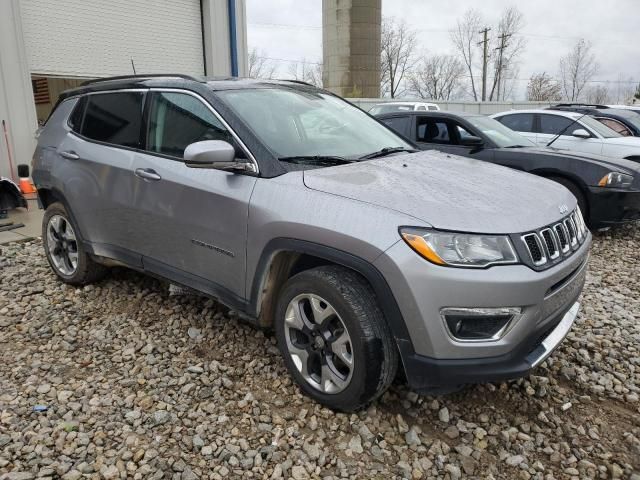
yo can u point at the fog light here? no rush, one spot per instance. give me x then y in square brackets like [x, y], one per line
[479, 324]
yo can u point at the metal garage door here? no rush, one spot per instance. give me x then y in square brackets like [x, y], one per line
[92, 38]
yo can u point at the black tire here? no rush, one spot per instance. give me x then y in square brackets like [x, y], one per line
[373, 349]
[577, 192]
[87, 270]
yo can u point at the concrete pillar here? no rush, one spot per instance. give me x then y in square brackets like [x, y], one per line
[351, 47]
[217, 46]
[17, 107]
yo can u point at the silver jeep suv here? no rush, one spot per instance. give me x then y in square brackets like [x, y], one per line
[311, 218]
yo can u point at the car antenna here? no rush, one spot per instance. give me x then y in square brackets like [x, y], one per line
[575, 120]
[133, 65]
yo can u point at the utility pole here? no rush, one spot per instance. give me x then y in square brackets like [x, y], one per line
[485, 54]
[503, 44]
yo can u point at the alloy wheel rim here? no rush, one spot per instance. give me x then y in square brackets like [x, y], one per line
[319, 343]
[63, 245]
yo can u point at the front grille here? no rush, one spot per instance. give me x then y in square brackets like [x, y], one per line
[535, 248]
[549, 243]
[561, 232]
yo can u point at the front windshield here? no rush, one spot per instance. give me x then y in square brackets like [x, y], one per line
[390, 108]
[502, 136]
[294, 123]
[597, 127]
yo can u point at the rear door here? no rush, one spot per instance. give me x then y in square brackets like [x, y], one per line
[99, 150]
[523, 123]
[551, 125]
[191, 223]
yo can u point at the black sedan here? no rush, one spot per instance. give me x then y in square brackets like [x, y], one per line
[607, 189]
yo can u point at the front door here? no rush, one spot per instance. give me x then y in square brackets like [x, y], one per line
[192, 222]
[551, 125]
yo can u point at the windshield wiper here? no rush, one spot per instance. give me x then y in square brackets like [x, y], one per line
[518, 146]
[317, 159]
[387, 151]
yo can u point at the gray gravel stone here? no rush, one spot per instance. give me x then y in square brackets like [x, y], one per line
[134, 393]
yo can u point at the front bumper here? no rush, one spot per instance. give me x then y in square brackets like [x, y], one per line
[609, 207]
[432, 359]
[424, 373]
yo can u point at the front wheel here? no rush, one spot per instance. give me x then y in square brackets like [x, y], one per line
[334, 338]
[577, 192]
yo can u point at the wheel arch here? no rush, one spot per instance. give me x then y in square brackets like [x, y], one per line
[284, 257]
[48, 196]
[577, 181]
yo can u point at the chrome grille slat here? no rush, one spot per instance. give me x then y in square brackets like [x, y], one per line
[551, 243]
[535, 248]
[547, 245]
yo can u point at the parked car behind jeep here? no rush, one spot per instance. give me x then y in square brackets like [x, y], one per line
[310, 217]
[607, 189]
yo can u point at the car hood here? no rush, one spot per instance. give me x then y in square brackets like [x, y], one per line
[616, 164]
[448, 192]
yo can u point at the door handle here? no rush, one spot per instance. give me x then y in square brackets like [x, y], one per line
[69, 155]
[147, 174]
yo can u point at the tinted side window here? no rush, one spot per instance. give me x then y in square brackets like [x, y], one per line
[75, 119]
[177, 119]
[431, 130]
[399, 124]
[114, 118]
[554, 124]
[519, 122]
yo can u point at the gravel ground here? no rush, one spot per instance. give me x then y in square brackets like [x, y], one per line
[135, 383]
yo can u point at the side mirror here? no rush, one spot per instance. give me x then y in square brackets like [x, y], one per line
[471, 141]
[581, 133]
[215, 154]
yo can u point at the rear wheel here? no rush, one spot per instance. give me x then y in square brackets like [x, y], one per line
[64, 250]
[334, 339]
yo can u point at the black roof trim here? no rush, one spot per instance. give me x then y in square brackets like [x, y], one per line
[578, 104]
[141, 77]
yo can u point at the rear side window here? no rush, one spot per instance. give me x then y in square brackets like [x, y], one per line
[177, 120]
[431, 130]
[75, 119]
[518, 122]
[398, 124]
[114, 118]
[554, 124]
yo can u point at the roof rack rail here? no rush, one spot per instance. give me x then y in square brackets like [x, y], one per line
[580, 104]
[301, 82]
[141, 76]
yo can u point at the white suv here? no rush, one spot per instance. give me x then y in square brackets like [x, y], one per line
[391, 107]
[579, 132]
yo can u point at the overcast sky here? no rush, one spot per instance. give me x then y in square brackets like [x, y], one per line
[291, 30]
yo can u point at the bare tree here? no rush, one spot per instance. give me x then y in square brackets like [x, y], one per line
[577, 68]
[598, 95]
[260, 66]
[508, 47]
[438, 77]
[310, 72]
[464, 38]
[543, 88]
[625, 90]
[397, 49]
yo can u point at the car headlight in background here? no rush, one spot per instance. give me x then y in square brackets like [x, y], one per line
[460, 249]
[616, 180]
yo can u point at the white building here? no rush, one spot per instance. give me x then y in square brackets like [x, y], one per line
[47, 46]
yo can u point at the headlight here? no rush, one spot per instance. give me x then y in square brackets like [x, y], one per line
[460, 249]
[616, 180]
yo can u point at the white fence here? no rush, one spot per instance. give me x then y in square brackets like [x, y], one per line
[484, 108]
